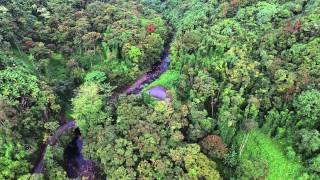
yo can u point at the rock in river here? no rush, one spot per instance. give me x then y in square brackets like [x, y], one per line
[158, 92]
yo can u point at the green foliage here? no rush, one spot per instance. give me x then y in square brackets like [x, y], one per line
[275, 120]
[200, 125]
[308, 109]
[196, 163]
[23, 91]
[39, 51]
[17, 84]
[167, 80]
[95, 76]
[229, 114]
[132, 42]
[253, 168]
[55, 68]
[315, 164]
[32, 177]
[135, 136]
[134, 53]
[152, 48]
[309, 142]
[203, 88]
[266, 12]
[12, 159]
[259, 62]
[263, 157]
[87, 106]
[236, 67]
[55, 171]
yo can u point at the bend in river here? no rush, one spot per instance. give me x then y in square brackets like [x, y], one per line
[154, 73]
[75, 164]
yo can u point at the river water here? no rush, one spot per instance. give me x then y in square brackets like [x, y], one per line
[75, 164]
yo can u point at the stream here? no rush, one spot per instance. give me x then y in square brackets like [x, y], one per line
[74, 162]
[154, 73]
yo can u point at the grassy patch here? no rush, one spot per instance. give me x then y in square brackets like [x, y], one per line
[167, 80]
[24, 60]
[56, 68]
[278, 166]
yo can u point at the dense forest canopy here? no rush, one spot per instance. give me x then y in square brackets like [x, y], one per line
[239, 84]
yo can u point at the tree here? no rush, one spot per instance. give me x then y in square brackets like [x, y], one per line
[314, 164]
[152, 47]
[90, 40]
[40, 51]
[151, 28]
[13, 161]
[52, 169]
[134, 54]
[308, 142]
[307, 106]
[276, 120]
[229, 114]
[203, 88]
[191, 41]
[214, 147]
[31, 98]
[253, 168]
[95, 76]
[200, 124]
[21, 87]
[87, 106]
[196, 164]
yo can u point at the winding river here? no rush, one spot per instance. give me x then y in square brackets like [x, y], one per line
[74, 162]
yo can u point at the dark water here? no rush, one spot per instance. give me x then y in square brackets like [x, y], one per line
[74, 162]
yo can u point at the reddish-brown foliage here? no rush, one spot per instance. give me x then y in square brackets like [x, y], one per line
[294, 28]
[214, 146]
[288, 95]
[234, 3]
[151, 28]
[28, 43]
[306, 79]
[72, 63]
[78, 14]
[291, 90]
[225, 9]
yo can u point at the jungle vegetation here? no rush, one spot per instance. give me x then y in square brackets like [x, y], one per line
[243, 88]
